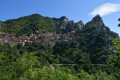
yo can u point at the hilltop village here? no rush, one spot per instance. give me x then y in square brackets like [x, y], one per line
[48, 38]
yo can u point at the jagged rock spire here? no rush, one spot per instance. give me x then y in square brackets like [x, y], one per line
[96, 21]
[97, 18]
[79, 25]
[64, 18]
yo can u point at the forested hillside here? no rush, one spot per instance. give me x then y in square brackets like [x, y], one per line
[28, 24]
[78, 52]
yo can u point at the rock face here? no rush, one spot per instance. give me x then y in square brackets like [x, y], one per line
[64, 19]
[93, 28]
[61, 22]
[79, 25]
[95, 25]
[63, 25]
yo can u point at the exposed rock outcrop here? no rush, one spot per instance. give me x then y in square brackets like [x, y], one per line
[63, 25]
[79, 25]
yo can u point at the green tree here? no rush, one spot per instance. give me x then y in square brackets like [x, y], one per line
[119, 20]
[115, 59]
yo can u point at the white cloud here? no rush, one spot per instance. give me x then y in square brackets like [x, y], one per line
[105, 9]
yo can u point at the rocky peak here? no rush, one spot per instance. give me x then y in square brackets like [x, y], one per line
[61, 22]
[64, 18]
[95, 22]
[98, 20]
[80, 22]
[71, 22]
[96, 25]
[79, 25]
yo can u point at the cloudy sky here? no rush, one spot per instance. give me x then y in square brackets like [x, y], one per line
[75, 10]
[106, 9]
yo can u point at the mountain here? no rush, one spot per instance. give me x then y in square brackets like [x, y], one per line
[30, 24]
[93, 38]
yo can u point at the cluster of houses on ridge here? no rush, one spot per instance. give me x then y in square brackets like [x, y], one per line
[49, 38]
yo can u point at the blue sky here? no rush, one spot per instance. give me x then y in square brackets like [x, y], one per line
[74, 9]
